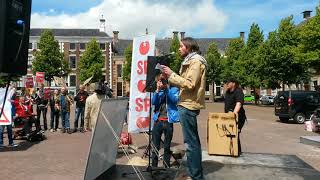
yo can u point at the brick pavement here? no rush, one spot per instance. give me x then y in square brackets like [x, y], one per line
[63, 156]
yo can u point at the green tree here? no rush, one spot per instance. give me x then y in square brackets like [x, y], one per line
[246, 66]
[49, 59]
[232, 54]
[127, 63]
[91, 62]
[4, 79]
[176, 59]
[278, 60]
[214, 68]
[309, 47]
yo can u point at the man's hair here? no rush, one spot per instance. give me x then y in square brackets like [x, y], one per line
[233, 80]
[191, 44]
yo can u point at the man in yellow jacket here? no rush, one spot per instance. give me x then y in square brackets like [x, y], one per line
[191, 82]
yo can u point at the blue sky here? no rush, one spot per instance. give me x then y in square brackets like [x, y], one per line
[204, 18]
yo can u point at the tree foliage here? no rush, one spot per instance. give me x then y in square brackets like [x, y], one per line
[245, 66]
[232, 54]
[91, 62]
[127, 63]
[176, 59]
[278, 58]
[309, 46]
[49, 59]
[214, 68]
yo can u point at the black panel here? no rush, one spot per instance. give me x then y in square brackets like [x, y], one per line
[11, 36]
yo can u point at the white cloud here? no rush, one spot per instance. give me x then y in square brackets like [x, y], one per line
[51, 10]
[132, 17]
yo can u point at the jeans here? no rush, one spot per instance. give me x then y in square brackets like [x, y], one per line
[188, 120]
[167, 129]
[44, 114]
[54, 115]
[65, 115]
[9, 130]
[79, 112]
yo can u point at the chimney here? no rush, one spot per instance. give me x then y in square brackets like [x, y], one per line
[242, 35]
[102, 27]
[182, 35]
[115, 36]
[175, 34]
[306, 14]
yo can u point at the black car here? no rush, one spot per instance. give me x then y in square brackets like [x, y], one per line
[298, 105]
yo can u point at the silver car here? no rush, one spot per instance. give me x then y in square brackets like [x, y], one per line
[267, 100]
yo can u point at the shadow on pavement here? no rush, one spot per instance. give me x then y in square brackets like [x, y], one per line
[22, 146]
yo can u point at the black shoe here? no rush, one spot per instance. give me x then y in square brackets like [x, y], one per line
[74, 130]
[63, 130]
[69, 131]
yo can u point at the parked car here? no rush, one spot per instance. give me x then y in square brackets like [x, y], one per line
[249, 98]
[298, 105]
[267, 100]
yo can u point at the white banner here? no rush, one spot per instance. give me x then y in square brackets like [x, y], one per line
[138, 120]
[6, 117]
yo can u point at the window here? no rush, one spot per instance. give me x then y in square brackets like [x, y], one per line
[218, 91]
[82, 46]
[29, 62]
[207, 87]
[72, 62]
[73, 80]
[119, 89]
[72, 46]
[30, 46]
[315, 83]
[119, 70]
[102, 46]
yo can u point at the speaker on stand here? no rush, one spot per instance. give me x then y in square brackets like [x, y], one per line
[14, 36]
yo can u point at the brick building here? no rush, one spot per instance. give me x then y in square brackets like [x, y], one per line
[72, 43]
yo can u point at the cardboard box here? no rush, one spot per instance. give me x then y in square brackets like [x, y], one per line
[222, 134]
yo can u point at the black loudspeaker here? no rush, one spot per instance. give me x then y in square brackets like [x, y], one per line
[153, 70]
[14, 36]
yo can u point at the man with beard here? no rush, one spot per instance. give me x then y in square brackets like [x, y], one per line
[64, 102]
[192, 82]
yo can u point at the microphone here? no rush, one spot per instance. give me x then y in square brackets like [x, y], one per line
[169, 54]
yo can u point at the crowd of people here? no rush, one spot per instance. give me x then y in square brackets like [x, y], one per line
[179, 97]
[29, 107]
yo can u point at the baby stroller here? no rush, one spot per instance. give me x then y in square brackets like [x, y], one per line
[23, 129]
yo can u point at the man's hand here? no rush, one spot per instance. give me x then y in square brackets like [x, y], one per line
[166, 71]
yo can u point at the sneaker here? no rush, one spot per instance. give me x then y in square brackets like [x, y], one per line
[13, 145]
[81, 130]
[63, 130]
[51, 130]
[74, 130]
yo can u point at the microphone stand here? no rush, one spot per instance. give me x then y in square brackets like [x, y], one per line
[150, 169]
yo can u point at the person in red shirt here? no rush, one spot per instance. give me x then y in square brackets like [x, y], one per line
[24, 111]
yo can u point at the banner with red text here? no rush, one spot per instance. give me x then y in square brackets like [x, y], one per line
[40, 77]
[138, 120]
[29, 82]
